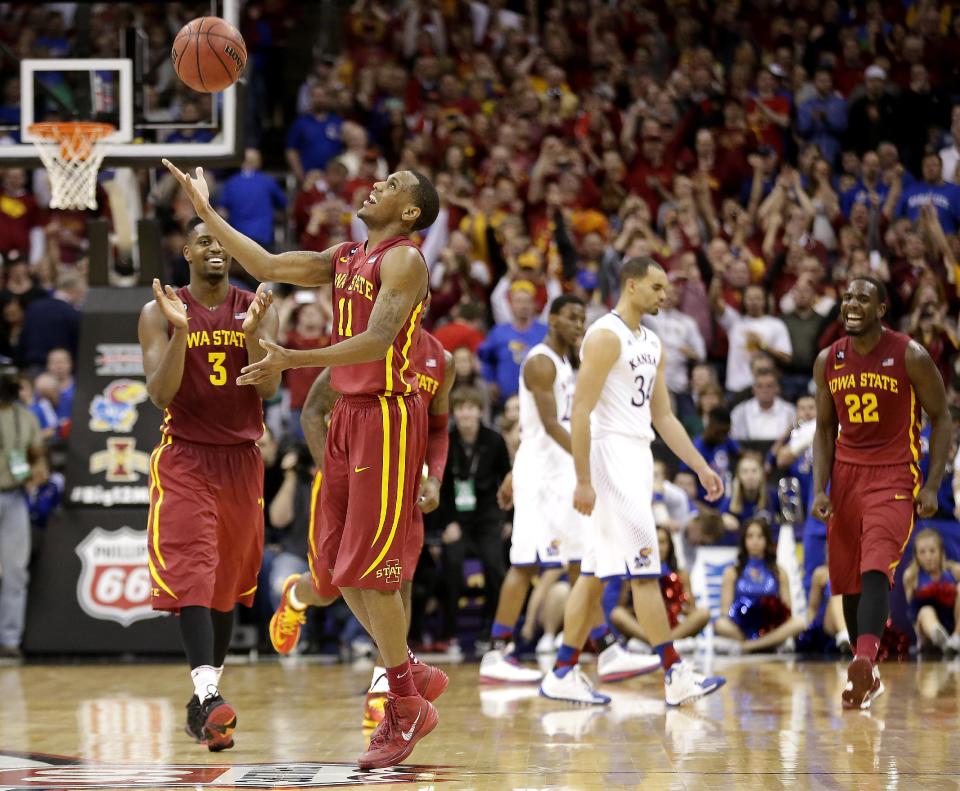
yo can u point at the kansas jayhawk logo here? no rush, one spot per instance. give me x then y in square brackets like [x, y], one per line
[115, 409]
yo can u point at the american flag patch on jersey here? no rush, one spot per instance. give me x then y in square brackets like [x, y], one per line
[888, 362]
[431, 362]
[240, 315]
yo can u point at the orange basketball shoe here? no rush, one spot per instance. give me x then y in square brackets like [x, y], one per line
[286, 622]
[376, 695]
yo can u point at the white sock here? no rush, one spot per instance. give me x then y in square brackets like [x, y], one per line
[204, 682]
[379, 676]
[219, 672]
[298, 605]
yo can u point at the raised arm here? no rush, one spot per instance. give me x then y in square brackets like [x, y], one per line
[163, 354]
[675, 435]
[539, 374]
[600, 352]
[824, 440]
[313, 417]
[299, 267]
[928, 385]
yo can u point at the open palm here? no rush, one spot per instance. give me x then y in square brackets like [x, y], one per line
[171, 305]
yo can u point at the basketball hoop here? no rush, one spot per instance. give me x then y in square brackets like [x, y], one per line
[72, 152]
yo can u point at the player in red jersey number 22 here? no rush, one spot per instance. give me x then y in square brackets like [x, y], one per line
[871, 386]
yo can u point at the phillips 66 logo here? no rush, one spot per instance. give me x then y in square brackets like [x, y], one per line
[114, 582]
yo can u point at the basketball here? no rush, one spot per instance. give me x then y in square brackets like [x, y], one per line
[209, 54]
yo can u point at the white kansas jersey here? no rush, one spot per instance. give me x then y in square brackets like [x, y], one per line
[536, 445]
[624, 405]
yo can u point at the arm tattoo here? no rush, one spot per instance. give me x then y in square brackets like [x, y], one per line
[389, 314]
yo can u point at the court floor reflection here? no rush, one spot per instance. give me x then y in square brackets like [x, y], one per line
[776, 724]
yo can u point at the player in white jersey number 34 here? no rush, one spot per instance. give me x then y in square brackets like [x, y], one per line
[620, 398]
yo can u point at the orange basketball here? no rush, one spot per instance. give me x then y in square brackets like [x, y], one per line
[209, 54]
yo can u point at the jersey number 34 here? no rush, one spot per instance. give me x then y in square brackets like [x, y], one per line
[644, 390]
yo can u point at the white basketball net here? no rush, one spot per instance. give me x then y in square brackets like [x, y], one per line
[72, 154]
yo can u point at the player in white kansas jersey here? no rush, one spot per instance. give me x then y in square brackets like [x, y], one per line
[547, 530]
[620, 398]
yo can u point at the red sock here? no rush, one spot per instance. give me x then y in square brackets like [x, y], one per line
[868, 645]
[668, 655]
[400, 680]
[412, 657]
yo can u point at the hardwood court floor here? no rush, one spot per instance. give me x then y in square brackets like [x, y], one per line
[777, 724]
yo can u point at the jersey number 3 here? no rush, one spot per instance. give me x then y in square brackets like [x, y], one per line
[862, 409]
[219, 375]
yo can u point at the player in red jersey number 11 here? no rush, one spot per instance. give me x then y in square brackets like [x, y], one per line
[378, 428]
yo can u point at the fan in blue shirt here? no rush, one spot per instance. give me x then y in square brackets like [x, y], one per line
[250, 199]
[314, 138]
[717, 448]
[935, 191]
[505, 347]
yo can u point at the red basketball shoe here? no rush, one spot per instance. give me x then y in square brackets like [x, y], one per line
[430, 681]
[863, 684]
[405, 722]
[286, 623]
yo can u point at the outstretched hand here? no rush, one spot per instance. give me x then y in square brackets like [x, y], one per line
[276, 361]
[170, 305]
[257, 310]
[194, 186]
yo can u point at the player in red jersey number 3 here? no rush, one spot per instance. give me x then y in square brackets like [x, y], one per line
[205, 523]
[871, 386]
[378, 429]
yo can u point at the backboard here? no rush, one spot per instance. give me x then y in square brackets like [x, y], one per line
[110, 62]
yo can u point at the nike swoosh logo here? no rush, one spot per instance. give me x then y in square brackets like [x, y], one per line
[901, 497]
[838, 367]
[360, 469]
[408, 735]
[343, 260]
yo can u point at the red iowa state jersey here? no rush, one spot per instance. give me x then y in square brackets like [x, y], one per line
[210, 408]
[430, 366]
[356, 284]
[876, 405]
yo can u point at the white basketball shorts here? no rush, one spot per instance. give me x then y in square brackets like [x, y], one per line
[622, 541]
[547, 531]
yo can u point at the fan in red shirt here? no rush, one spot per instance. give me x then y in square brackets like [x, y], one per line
[871, 386]
[310, 330]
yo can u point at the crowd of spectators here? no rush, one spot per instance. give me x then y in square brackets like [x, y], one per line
[763, 152]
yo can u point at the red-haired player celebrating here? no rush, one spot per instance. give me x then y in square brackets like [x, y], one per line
[871, 386]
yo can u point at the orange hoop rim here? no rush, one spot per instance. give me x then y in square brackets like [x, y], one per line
[57, 130]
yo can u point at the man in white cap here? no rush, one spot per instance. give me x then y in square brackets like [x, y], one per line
[872, 114]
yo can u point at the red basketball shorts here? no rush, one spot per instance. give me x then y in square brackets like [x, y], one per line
[205, 526]
[372, 465]
[871, 523]
[320, 576]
